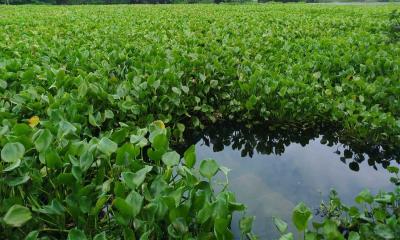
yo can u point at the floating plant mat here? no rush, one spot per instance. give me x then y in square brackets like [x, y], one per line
[274, 169]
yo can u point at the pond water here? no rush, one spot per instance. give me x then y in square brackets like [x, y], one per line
[273, 170]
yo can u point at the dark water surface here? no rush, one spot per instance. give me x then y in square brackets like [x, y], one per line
[273, 170]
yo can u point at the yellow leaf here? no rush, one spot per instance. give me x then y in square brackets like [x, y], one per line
[34, 121]
[159, 124]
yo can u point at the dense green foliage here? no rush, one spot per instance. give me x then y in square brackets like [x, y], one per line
[127, 184]
[299, 63]
[83, 90]
[394, 26]
[73, 2]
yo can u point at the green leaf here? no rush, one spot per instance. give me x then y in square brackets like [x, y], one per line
[310, 236]
[77, 173]
[12, 152]
[93, 120]
[53, 160]
[138, 140]
[331, 230]
[135, 200]
[251, 102]
[354, 236]
[17, 215]
[181, 127]
[393, 169]
[18, 180]
[170, 158]
[155, 154]
[107, 146]
[123, 207]
[280, 225]
[245, 224]
[76, 234]
[287, 236]
[205, 213]
[65, 128]
[213, 83]
[384, 231]
[160, 142]
[100, 236]
[208, 168]
[221, 228]
[43, 141]
[55, 208]
[12, 166]
[145, 236]
[190, 156]
[301, 216]
[99, 204]
[86, 160]
[126, 154]
[3, 84]
[364, 196]
[108, 114]
[32, 235]
[178, 228]
[134, 180]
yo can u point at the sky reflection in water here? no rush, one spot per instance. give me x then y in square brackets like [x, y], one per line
[271, 185]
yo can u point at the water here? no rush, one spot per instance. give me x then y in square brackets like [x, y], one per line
[273, 170]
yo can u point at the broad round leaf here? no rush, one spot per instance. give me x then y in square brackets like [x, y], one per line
[107, 146]
[11, 152]
[12, 166]
[170, 158]
[208, 168]
[17, 215]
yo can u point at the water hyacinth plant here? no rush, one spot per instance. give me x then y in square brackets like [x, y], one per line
[94, 99]
[125, 184]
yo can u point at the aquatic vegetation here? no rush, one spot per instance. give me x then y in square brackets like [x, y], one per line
[126, 183]
[394, 26]
[299, 64]
[376, 217]
[93, 97]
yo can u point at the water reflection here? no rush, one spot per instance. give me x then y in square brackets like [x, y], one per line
[268, 140]
[275, 168]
